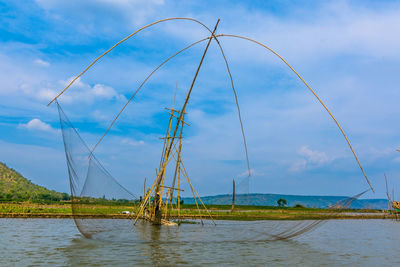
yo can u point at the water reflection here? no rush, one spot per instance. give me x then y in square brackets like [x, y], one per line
[123, 231]
[153, 253]
[56, 242]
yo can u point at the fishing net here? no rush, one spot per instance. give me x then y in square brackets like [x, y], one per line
[242, 192]
[94, 192]
[97, 197]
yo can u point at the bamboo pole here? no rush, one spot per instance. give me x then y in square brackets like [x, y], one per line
[168, 151]
[179, 180]
[118, 43]
[145, 80]
[233, 196]
[387, 194]
[194, 197]
[144, 202]
[147, 197]
[201, 201]
[312, 91]
[187, 178]
[166, 158]
[181, 115]
[178, 170]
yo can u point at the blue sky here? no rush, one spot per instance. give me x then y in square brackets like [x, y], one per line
[348, 51]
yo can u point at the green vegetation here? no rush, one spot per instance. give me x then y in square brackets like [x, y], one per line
[15, 187]
[219, 212]
[282, 202]
[19, 197]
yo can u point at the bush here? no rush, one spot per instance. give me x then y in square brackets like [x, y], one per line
[281, 202]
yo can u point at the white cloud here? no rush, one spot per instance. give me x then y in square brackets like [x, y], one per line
[311, 158]
[298, 165]
[336, 28]
[99, 116]
[89, 93]
[42, 63]
[131, 142]
[38, 125]
[106, 92]
[253, 173]
[78, 92]
[108, 12]
[46, 94]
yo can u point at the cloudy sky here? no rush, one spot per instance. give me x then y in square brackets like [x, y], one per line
[348, 51]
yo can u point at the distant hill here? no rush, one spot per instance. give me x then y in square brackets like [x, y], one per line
[292, 200]
[15, 187]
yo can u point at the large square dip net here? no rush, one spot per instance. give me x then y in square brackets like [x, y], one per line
[97, 197]
[95, 193]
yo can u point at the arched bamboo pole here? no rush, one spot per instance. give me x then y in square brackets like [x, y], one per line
[118, 43]
[147, 26]
[215, 37]
[312, 91]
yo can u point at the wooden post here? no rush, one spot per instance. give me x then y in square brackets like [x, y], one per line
[233, 195]
[387, 194]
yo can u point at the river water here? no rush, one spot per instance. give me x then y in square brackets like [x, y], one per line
[44, 242]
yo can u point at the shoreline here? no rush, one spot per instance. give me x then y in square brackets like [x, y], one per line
[218, 212]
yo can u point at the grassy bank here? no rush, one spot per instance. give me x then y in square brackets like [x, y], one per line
[222, 212]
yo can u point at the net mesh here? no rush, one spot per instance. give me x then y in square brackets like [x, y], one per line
[96, 197]
[94, 192]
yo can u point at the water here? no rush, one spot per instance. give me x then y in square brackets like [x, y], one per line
[43, 242]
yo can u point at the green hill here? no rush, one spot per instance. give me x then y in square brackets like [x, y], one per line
[15, 187]
[292, 200]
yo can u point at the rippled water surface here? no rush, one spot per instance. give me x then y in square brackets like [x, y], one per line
[43, 242]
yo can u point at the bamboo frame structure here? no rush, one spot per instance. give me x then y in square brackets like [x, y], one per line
[393, 206]
[156, 214]
[169, 195]
[169, 147]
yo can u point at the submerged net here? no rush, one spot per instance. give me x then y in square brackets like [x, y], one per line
[97, 197]
[92, 187]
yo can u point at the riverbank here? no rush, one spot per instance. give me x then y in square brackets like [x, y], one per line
[218, 212]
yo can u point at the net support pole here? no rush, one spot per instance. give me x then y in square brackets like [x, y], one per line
[233, 195]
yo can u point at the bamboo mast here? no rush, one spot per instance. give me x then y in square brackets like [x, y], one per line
[179, 171]
[179, 150]
[156, 211]
[172, 137]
